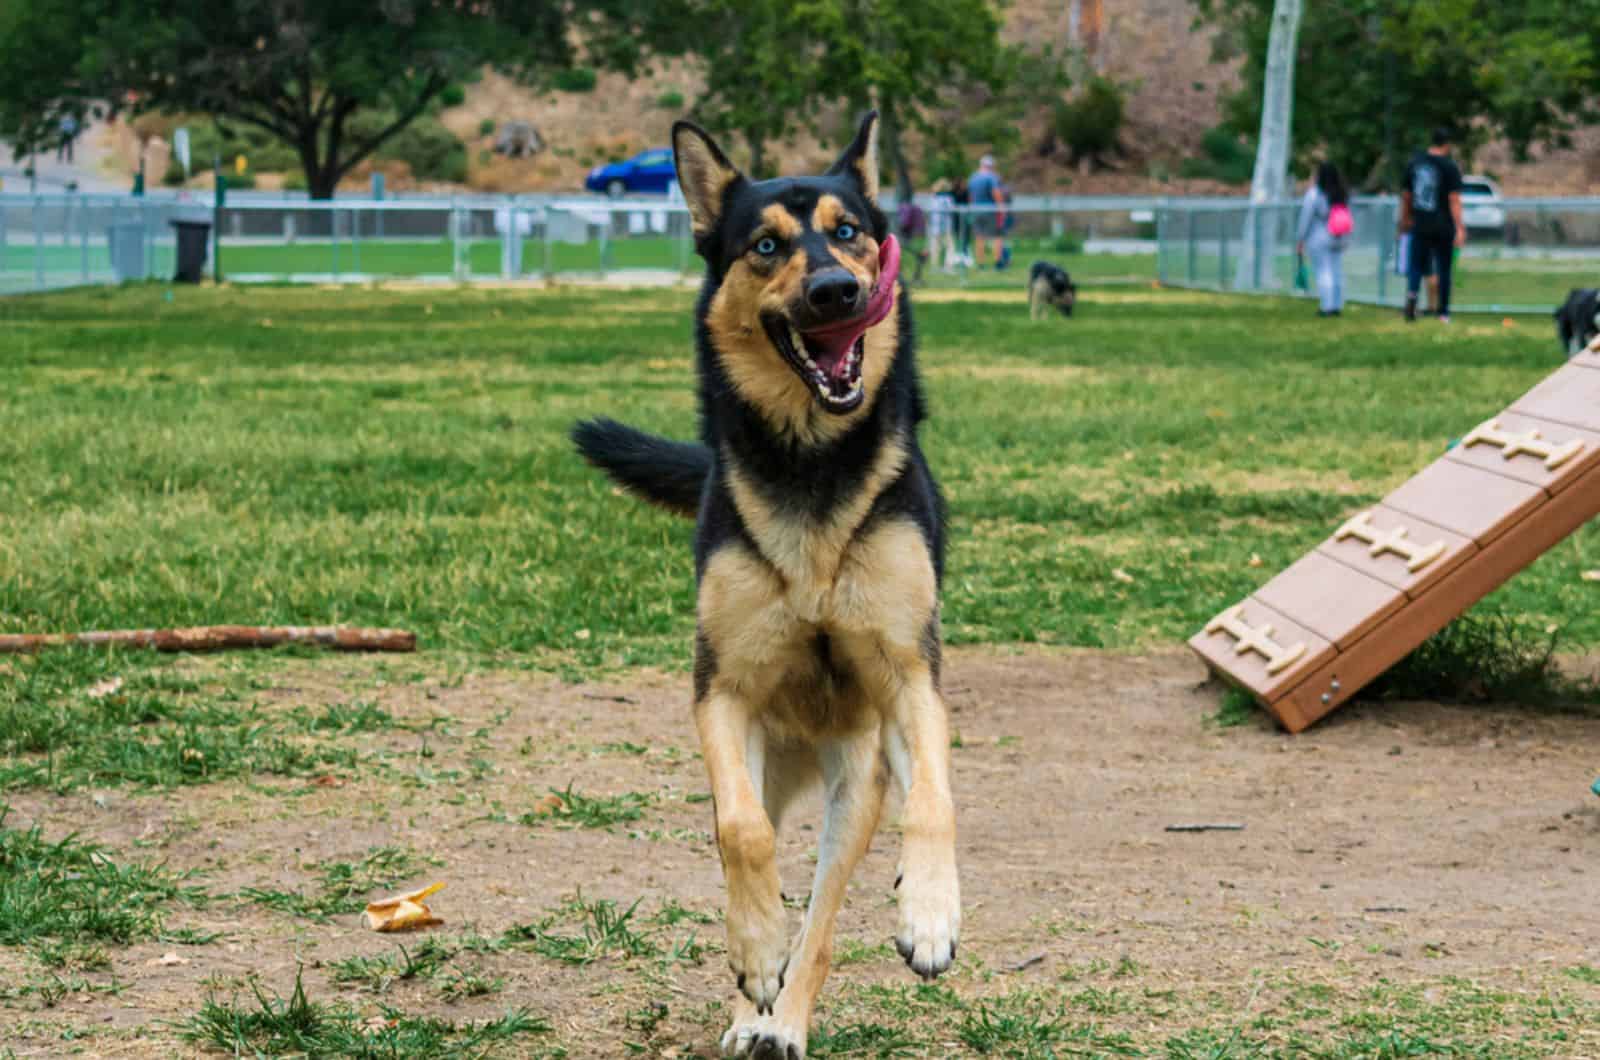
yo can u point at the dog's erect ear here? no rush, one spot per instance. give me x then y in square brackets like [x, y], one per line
[860, 159]
[704, 174]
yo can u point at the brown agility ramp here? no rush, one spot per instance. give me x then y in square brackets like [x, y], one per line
[1393, 575]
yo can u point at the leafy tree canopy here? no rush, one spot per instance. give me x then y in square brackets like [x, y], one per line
[302, 70]
[1373, 77]
[773, 66]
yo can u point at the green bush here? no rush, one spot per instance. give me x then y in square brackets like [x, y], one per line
[295, 180]
[265, 152]
[452, 96]
[1066, 243]
[431, 150]
[486, 127]
[670, 100]
[1225, 156]
[1090, 124]
[577, 79]
[173, 177]
[239, 181]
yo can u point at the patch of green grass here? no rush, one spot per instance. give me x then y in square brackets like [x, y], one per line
[342, 886]
[1168, 435]
[457, 985]
[1490, 657]
[1237, 707]
[61, 728]
[1585, 973]
[380, 972]
[71, 891]
[862, 1039]
[573, 809]
[603, 930]
[272, 1025]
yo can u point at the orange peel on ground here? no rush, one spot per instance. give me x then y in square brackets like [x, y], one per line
[403, 912]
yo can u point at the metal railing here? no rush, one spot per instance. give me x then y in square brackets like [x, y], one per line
[65, 239]
[1521, 255]
[68, 240]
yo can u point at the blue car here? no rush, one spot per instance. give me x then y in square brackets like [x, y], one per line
[649, 172]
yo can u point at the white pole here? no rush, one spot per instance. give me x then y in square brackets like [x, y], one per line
[1270, 181]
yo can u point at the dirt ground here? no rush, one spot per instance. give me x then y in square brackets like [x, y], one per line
[1391, 844]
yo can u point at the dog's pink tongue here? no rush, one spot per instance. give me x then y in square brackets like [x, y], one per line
[831, 345]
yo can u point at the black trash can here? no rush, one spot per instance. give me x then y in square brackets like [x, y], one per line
[194, 245]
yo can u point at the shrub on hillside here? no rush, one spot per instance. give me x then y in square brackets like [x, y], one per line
[1225, 156]
[431, 150]
[1091, 123]
[577, 79]
[263, 151]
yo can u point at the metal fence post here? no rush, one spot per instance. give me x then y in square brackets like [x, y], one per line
[1384, 225]
[549, 256]
[1222, 255]
[38, 244]
[1188, 218]
[83, 235]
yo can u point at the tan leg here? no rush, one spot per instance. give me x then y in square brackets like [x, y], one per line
[917, 741]
[757, 946]
[854, 782]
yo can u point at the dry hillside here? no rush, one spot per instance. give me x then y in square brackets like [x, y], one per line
[1149, 45]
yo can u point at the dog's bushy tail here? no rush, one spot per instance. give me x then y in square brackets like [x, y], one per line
[660, 470]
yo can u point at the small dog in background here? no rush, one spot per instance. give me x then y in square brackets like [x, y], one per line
[1578, 319]
[1049, 285]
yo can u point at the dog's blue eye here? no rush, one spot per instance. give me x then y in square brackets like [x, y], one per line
[845, 232]
[767, 247]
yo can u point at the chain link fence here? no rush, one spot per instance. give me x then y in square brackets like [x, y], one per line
[1521, 255]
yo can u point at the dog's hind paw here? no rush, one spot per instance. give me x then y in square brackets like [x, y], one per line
[930, 920]
[764, 1038]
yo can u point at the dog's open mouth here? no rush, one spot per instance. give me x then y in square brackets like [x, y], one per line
[829, 358]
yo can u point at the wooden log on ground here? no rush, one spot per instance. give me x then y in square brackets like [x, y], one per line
[220, 638]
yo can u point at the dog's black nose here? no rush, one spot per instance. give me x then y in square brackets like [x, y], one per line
[832, 292]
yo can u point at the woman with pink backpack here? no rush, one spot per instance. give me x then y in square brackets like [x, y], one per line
[1325, 227]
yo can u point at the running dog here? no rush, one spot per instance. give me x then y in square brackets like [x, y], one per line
[819, 549]
[1049, 285]
[1578, 319]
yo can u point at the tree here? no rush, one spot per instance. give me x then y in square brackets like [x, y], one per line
[1271, 175]
[911, 61]
[1373, 76]
[313, 73]
[762, 74]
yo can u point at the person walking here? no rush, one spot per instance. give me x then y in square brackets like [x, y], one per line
[1325, 225]
[912, 221]
[1430, 210]
[942, 227]
[963, 220]
[68, 129]
[983, 186]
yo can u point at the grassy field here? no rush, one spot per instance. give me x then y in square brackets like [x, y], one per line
[189, 841]
[256, 455]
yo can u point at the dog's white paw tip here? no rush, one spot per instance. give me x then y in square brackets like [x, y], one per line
[763, 1039]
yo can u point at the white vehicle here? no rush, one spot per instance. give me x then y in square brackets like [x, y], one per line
[1481, 206]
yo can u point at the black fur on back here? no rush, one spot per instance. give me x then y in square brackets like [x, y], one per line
[1578, 319]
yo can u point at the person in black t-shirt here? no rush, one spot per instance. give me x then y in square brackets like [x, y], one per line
[1430, 209]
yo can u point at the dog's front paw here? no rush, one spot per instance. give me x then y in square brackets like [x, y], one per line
[758, 950]
[759, 1037]
[930, 917]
